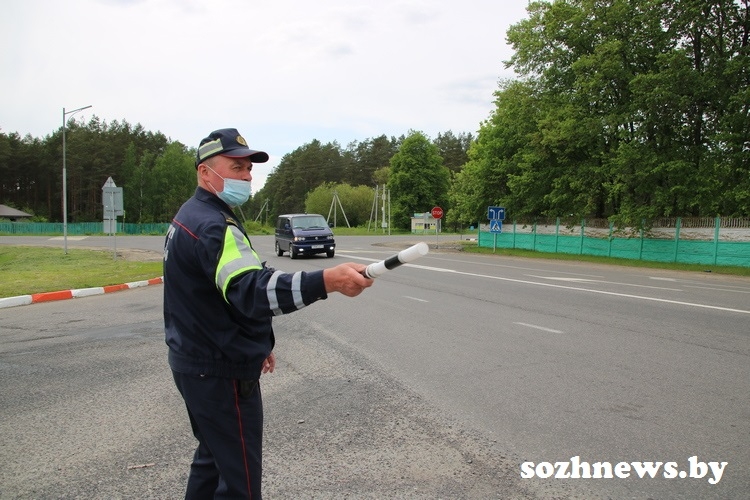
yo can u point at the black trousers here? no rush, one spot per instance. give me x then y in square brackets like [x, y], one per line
[227, 420]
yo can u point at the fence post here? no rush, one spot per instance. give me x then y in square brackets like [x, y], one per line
[717, 224]
[677, 237]
[557, 232]
[640, 250]
[583, 231]
[609, 251]
[514, 234]
[533, 245]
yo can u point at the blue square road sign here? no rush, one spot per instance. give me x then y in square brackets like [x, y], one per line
[496, 213]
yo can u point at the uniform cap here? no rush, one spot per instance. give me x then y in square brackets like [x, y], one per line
[227, 142]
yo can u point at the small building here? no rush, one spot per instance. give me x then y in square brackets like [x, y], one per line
[423, 223]
[7, 212]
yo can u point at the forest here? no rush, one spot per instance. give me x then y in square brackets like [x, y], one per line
[628, 110]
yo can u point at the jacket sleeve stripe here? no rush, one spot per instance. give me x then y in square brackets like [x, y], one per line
[280, 290]
[297, 290]
[273, 300]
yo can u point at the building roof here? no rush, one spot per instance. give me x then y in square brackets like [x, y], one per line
[7, 212]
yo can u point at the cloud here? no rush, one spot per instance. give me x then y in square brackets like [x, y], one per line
[283, 73]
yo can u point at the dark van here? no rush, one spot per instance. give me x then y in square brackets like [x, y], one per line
[303, 234]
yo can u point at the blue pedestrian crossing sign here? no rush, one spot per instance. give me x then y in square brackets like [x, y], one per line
[496, 226]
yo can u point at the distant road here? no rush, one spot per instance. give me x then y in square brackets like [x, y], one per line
[138, 242]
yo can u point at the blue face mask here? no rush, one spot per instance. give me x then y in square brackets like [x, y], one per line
[235, 192]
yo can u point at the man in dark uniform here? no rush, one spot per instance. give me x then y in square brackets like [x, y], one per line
[219, 299]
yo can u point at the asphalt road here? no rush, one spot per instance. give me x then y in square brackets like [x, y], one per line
[439, 382]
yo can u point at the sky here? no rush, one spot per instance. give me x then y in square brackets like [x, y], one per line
[283, 73]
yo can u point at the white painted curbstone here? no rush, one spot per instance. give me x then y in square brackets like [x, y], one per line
[21, 300]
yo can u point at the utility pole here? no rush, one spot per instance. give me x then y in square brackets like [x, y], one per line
[374, 210]
[65, 178]
[333, 207]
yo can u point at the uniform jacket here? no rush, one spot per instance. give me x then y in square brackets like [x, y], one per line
[219, 298]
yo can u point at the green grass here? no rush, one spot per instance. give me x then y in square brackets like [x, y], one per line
[28, 270]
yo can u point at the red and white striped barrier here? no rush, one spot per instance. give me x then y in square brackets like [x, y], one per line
[35, 298]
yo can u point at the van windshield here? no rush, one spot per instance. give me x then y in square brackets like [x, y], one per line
[309, 222]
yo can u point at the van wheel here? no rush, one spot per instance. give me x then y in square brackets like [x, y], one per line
[329, 254]
[292, 252]
[279, 251]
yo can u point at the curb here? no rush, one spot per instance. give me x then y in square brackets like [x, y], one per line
[23, 300]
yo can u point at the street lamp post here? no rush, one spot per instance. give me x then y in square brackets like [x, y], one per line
[65, 179]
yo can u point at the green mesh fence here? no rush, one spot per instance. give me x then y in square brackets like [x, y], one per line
[716, 252]
[80, 228]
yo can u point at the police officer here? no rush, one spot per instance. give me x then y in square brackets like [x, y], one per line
[219, 299]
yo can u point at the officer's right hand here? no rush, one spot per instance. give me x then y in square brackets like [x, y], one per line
[346, 278]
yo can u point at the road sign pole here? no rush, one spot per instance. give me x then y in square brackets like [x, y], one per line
[437, 214]
[114, 230]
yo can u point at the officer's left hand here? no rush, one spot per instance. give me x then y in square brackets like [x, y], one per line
[269, 364]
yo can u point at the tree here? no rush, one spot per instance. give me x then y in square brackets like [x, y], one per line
[356, 202]
[418, 180]
[367, 157]
[298, 173]
[453, 149]
[506, 166]
[172, 181]
[21, 181]
[627, 109]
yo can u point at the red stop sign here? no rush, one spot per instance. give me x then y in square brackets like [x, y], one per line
[437, 213]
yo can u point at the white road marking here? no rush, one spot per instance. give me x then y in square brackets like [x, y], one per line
[520, 268]
[414, 298]
[717, 289]
[557, 278]
[537, 327]
[700, 286]
[552, 285]
[354, 250]
[583, 280]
